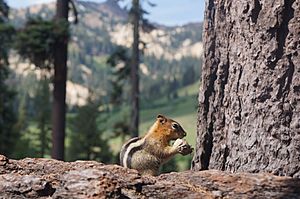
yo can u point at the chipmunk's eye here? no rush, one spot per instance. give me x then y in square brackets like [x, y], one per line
[175, 126]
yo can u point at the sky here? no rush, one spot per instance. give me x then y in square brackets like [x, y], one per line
[166, 12]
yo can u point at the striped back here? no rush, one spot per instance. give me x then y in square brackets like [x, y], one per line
[128, 149]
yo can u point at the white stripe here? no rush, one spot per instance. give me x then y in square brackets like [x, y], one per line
[129, 148]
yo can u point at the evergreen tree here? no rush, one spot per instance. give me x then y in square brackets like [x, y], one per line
[120, 63]
[8, 136]
[59, 81]
[42, 114]
[86, 140]
[134, 72]
[34, 118]
[37, 42]
[119, 60]
[189, 76]
[136, 14]
[172, 89]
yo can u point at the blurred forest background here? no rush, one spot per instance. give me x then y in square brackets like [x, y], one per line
[98, 84]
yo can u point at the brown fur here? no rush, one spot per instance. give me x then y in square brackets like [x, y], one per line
[156, 149]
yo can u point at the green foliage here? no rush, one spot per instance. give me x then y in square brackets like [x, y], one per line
[6, 36]
[121, 129]
[7, 116]
[169, 76]
[86, 140]
[43, 116]
[137, 9]
[90, 45]
[189, 76]
[172, 89]
[179, 36]
[33, 122]
[22, 143]
[36, 41]
[120, 63]
[169, 166]
[119, 60]
[88, 51]
[183, 109]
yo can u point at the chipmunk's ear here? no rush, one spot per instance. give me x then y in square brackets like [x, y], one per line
[162, 119]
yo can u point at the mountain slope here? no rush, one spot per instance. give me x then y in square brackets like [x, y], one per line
[104, 26]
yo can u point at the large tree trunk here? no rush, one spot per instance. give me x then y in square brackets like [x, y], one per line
[249, 102]
[135, 69]
[59, 92]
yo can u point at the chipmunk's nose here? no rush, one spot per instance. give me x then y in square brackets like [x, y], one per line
[184, 134]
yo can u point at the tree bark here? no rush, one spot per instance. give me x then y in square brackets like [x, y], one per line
[249, 101]
[135, 69]
[59, 92]
[48, 178]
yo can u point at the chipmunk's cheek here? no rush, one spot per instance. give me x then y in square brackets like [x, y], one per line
[176, 135]
[181, 134]
[172, 135]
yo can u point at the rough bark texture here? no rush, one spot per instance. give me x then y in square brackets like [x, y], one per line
[44, 178]
[249, 102]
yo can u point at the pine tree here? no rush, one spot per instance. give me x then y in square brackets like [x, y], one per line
[42, 115]
[59, 92]
[134, 72]
[86, 139]
[120, 75]
[30, 44]
[137, 18]
[8, 136]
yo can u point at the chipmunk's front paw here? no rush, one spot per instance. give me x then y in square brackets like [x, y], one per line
[183, 147]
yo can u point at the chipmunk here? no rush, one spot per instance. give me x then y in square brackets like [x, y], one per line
[148, 153]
